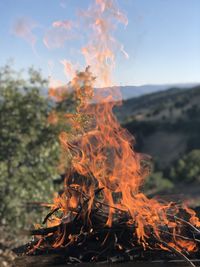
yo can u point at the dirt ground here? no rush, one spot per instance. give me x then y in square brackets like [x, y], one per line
[8, 241]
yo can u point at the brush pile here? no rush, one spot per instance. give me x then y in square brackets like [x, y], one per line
[83, 234]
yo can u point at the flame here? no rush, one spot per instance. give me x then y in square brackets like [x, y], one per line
[69, 69]
[102, 153]
[57, 90]
[53, 118]
[193, 219]
[99, 53]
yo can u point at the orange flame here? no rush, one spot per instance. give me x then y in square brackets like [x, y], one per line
[100, 51]
[102, 152]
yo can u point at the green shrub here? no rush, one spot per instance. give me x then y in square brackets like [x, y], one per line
[187, 169]
[156, 183]
[29, 146]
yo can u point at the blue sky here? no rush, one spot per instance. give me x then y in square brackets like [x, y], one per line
[162, 38]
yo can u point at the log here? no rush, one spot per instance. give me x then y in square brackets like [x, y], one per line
[60, 261]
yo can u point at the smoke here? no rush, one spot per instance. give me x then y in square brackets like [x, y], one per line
[58, 34]
[63, 4]
[66, 24]
[23, 28]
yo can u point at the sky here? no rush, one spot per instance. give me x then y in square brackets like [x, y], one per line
[162, 38]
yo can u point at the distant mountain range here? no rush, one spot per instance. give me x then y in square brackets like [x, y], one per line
[135, 91]
[132, 91]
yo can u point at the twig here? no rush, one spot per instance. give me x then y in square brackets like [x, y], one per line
[45, 231]
[185, 222]
[96, 192]
[177, 252]
[97, 201]
[49, 215]
[178, 235]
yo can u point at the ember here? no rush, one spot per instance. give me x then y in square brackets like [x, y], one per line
[102, 213]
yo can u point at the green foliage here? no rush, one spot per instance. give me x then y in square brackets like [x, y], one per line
[156, 183]
[187, 169]
[193, 112]
[29, 147]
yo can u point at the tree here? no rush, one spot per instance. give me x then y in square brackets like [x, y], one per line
[187, 169]
[29, 146]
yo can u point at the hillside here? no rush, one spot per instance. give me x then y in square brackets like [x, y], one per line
[138, 90]
[166, 124]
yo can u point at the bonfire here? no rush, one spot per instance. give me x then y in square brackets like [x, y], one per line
[102, 213]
